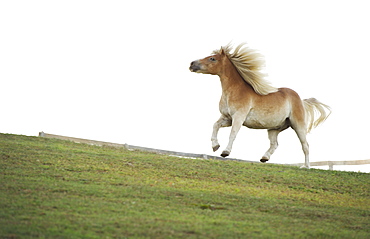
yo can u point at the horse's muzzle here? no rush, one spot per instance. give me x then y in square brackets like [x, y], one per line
[194, 66]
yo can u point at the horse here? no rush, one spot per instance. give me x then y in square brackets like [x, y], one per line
[248, 99]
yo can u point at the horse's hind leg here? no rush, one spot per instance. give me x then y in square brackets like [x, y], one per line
[301, 133]
[272, 134]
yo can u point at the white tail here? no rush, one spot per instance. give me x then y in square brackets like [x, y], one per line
[311, 106]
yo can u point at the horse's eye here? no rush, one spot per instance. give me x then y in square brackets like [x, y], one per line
[212, 59]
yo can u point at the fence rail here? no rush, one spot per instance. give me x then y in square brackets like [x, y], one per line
[190, 155]
[133, 147]
[332, 163]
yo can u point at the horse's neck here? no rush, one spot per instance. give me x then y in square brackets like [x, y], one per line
[232, 82]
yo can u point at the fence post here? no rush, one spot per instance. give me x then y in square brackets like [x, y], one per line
[331, 165]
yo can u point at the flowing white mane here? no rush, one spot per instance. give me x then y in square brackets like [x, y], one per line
[249, 63]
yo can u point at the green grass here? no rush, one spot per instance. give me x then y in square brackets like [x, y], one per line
[58, 189]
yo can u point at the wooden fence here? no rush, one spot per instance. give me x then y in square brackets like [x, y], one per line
[190, 155]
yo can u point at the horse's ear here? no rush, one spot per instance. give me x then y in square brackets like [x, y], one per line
[222, 52]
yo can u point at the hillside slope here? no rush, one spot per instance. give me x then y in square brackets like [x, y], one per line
[53, 188]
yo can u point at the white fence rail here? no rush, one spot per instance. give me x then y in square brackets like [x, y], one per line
[332, 163]
[190, 155]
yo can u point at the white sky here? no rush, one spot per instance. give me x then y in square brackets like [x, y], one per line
[117, 71]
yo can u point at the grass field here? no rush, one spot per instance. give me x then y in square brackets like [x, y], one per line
[58, 189]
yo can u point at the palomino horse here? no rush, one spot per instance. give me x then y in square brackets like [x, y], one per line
[249, 100]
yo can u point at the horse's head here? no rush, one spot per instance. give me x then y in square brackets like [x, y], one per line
[209, 65]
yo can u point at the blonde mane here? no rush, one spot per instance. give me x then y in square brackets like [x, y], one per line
[249, 63]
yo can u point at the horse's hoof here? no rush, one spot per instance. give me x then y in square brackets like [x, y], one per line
[264, 160]
[225, 154]
[215, 148]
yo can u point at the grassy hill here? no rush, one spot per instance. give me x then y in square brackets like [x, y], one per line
[58, 189]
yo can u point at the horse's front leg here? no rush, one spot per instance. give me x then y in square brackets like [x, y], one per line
[223, 121]
[237, 123]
